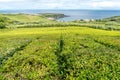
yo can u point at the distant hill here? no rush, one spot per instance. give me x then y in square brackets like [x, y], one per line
[24, 17]
[114, 19]
[54, 15]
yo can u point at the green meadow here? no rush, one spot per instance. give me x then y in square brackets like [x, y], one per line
[33, 47]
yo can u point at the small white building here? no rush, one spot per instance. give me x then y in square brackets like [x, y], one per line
[50, 18]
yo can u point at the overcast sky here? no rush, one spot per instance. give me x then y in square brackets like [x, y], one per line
[60, 4]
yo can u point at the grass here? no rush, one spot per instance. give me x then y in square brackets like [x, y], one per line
[30, 21]
[60, 53]
[57, 30]
[25, 17]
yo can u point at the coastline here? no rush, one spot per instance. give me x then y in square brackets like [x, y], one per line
[73, 14]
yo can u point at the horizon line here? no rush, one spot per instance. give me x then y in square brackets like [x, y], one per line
[59, 9]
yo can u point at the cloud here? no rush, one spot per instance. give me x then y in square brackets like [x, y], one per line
[10, 0]
[106, 4]
[59, 4]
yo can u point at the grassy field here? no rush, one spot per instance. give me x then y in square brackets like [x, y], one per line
[35, 48]
[59, 53]
[25, 17]
[42, 20]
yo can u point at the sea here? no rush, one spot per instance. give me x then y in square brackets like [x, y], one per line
[73, 14]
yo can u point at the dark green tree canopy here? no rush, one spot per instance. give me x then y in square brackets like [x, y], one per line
[3, 22]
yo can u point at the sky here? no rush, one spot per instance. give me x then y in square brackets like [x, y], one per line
[60, 4]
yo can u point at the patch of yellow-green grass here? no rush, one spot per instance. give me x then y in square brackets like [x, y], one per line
[25, 17]
[58, 30]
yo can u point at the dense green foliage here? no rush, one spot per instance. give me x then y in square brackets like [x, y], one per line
[3, 22]
[100, 24]
[57, 53]
[35, 48]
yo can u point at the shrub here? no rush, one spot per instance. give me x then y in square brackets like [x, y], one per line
[3, 22]
[2, 25]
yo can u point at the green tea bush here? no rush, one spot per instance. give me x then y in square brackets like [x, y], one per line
[3, 22]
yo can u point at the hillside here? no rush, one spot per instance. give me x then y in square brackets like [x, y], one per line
[47, 20]
[25, 17]
[35, 48]
[114, 19]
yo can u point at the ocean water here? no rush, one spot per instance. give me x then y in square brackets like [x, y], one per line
[73, 14]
